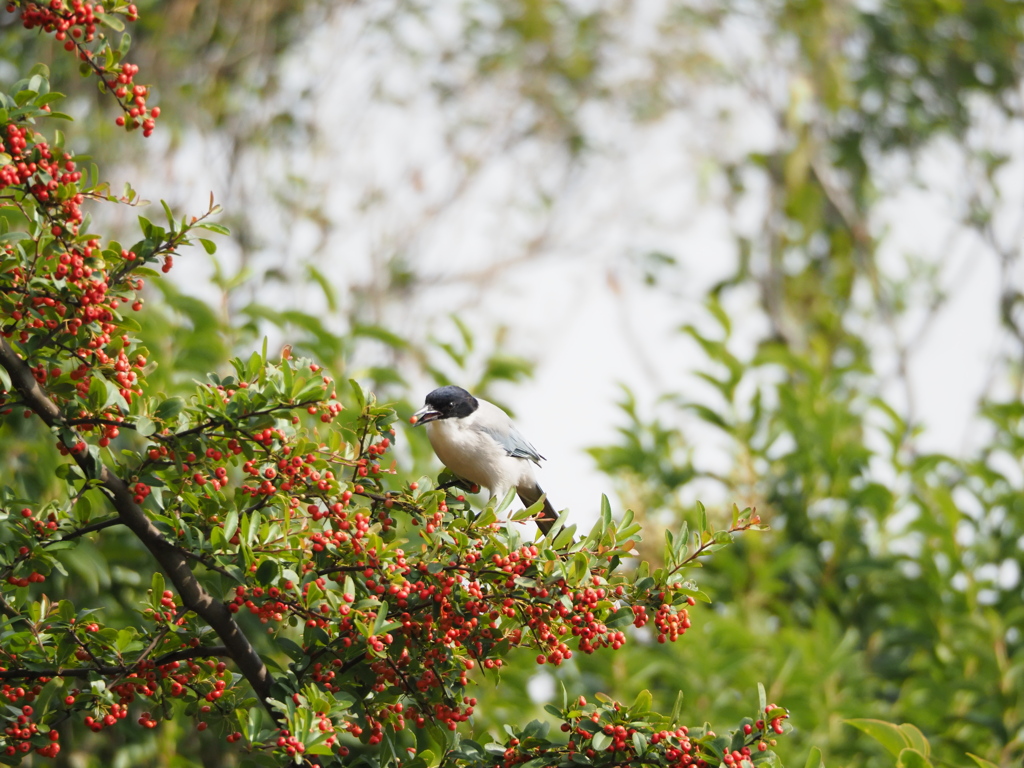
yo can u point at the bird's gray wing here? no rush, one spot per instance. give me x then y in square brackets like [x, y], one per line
[514, 443]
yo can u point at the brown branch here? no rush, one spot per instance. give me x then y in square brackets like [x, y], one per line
[85, 529]
[391, 496]
[699, 552]
[206, 561]
[107, 669]
[224, 421]
[96, 421]
[7, 610]
[171, 559]
[192, 653]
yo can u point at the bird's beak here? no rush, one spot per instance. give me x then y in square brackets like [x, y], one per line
[424, 415]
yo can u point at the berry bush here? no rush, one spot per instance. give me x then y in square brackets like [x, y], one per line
[307, 603]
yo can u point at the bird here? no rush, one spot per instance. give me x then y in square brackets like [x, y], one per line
[478, 442]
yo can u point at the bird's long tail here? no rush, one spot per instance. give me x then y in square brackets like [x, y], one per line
[547, 516]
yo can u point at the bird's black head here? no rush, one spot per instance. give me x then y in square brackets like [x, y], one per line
[446, 403]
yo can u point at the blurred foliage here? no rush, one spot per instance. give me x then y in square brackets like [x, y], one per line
[923, 61]
[891, 586]
[207, 61]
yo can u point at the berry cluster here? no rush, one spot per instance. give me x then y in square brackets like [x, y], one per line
[19, 570]
[133, 98]
[48, 175]
[408, 626]
[442, 622]
[21, 732]
[64, 291]
[613, 734]
[205, 681]
[74, 24]
[77, 21]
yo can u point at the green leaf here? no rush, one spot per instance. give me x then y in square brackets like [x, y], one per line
[114, 396]
[157, 585]
[606, 510]
[145, 426]
[642, 703]
[639, 743]
[710, 416]
[325, 286]
[677, 709]
[814, 759]
[253, 723]
[382, 618]
[982, 762]
[357, 391]
[291, 648]
[601, 741]
[125, 637]
[166, 207]
[37, 84]
[111, 21]
[231, 524]
[251, 527]
[621, 618]
[208, 245]
[50, 690]
[57, 546]
[268, 571]
[169, 409]
[217, 228]
[915, 738]
[888, 735]
[911, 758]
[579, 568]
[381, 334]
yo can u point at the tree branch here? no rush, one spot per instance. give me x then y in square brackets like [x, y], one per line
[106, 669]
[174, 563]
[6, 609]
[86, 529]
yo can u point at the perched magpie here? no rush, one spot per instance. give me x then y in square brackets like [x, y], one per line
[478, 442]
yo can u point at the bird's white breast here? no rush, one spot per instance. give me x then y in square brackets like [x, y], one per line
[474, 455]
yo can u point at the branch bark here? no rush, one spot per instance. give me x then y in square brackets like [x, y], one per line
[202, 652]
[171, 559]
